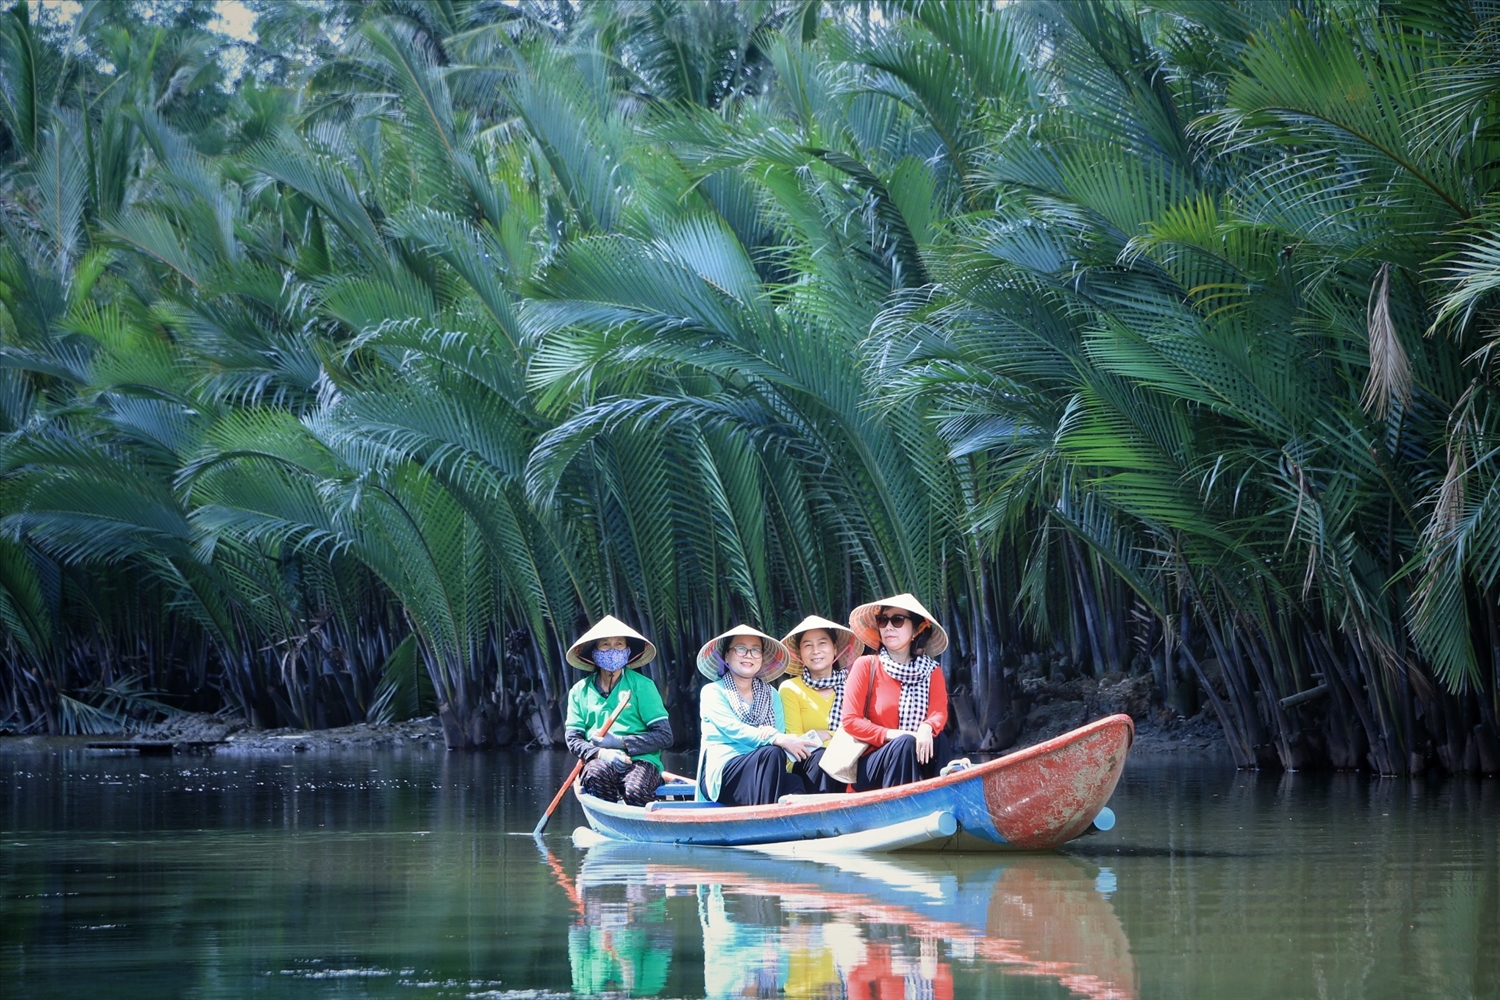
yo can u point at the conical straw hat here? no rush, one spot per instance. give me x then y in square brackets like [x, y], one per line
[642, 652]
[862, 621]
[773, 660]
[840, 634]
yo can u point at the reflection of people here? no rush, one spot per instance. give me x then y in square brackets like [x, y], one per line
[624, 945]
[740, 958]
[754, 952]
[812, 699]
[625, 763]
[887, 976]
[814, 970]
[888, 927]
[742, 760]
[896, 700]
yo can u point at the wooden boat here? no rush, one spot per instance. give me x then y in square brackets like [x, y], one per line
[1036, 798]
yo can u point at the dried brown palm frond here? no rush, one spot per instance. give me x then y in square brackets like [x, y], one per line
[1389, 381]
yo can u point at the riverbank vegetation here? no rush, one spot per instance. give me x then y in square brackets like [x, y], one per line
[345, 373]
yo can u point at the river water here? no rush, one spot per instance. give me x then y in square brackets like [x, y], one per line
[409, 874]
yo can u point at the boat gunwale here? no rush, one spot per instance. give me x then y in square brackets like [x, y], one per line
[717, 814]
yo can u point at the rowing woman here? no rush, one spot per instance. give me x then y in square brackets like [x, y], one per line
[625, 763]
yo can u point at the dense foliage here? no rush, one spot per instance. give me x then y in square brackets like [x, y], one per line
[1134, 335]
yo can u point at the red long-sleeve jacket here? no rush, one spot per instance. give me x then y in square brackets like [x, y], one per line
[868, 723]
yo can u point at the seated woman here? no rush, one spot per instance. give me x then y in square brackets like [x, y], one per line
[896, 700]
[624, 764]
[812, 699]
[745, 749]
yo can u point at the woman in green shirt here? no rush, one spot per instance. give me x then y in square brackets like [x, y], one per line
[622, 946]
[624, 764]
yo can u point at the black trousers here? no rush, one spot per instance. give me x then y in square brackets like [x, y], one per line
[818, 780]
[758, 778]
[896, 763]
[635, 787]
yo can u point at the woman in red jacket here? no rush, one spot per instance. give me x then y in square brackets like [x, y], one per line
[896, 700]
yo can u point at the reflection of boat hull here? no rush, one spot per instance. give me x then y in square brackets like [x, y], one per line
[1038, 916]
[1035, 798]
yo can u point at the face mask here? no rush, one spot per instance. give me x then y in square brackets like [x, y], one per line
[611, 659]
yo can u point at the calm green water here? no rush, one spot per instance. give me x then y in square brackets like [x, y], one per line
[392, 874]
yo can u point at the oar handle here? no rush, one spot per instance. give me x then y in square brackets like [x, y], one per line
[541, 824]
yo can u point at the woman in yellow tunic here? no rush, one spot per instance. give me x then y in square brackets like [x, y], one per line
[812, 695]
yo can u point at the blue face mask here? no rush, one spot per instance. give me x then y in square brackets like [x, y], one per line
[611, 659]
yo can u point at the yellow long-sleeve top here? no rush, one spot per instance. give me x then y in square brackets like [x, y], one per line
[805, 707]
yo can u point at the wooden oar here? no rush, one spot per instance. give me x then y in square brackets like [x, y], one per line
[541, 824]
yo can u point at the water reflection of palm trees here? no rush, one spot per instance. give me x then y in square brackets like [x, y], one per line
[864, 929]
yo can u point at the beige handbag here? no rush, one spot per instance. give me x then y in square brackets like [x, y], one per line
[841, 757]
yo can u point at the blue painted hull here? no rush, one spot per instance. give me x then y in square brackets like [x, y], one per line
[1033, 799]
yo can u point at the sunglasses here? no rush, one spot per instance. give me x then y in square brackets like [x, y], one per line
[753, 652]
[894, 621]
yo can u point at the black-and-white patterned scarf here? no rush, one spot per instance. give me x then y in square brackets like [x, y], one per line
[919, 987]
[915, 678]
[834, 680]
[761, 710]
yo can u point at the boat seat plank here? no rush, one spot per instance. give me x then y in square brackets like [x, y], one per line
[675, 790]
[680, 804]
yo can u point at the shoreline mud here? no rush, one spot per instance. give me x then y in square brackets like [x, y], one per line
[1157, 733]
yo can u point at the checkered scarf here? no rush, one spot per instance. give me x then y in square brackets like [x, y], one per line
[760, 711]
[915, 678]
[834, 680]
[918, 987]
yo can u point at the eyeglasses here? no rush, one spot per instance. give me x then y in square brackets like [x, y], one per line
[894, 621]
[753, 652]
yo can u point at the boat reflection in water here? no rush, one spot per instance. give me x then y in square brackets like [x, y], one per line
[863, 927]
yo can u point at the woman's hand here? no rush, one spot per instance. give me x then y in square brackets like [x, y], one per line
[818, 736]
[767, 733]
[616, 759]
[924, 743]
[793, 745]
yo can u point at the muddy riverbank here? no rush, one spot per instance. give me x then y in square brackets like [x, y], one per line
[1051, 713]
